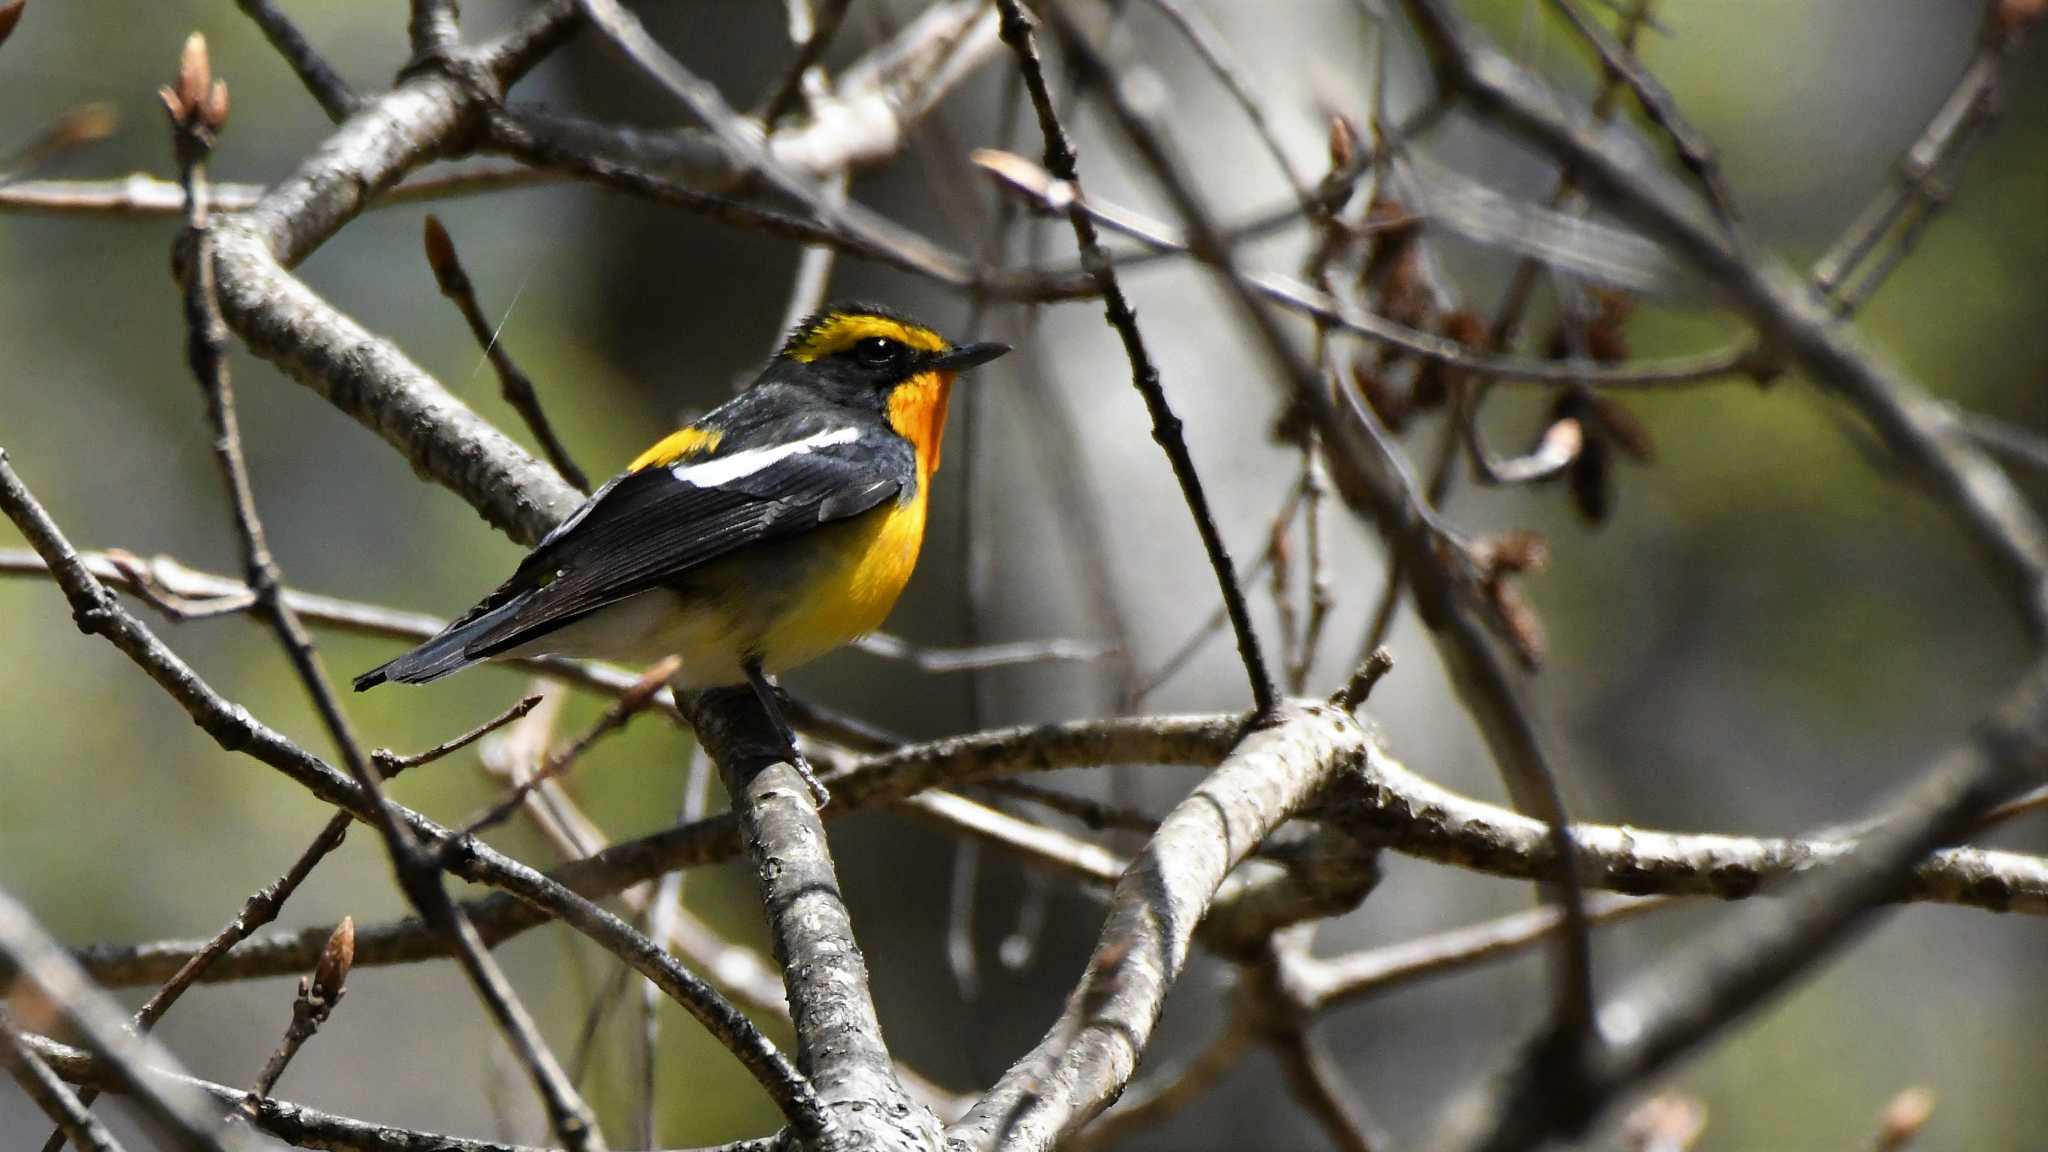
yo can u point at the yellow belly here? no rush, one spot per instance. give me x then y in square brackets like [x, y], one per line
[787, 603]
[861, 569]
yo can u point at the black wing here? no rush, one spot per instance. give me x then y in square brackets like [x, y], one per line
[646, 528]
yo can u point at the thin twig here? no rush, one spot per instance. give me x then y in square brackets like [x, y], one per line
[1214, 51]
[823, 25]
[1166, 427]
[1923, 433]
[328, 89]
[1618, 58]
[516, 385]
[1033, 181]
[391, 764]
[318, 994]
[616, 717]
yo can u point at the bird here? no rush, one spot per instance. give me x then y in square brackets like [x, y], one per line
[779, 526]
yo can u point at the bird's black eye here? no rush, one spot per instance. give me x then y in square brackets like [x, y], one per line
[877, 351]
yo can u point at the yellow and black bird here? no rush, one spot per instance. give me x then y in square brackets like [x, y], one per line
[778, 527]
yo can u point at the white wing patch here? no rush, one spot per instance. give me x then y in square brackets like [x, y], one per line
[726, 469]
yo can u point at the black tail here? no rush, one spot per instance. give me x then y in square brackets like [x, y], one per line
[445, 653]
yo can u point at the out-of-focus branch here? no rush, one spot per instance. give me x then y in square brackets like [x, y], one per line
[1923, 432]
[1329, 981]
[1376, 480]
[50, 1093]
[866, 116]
[1676, 1007]
[1049, 193]
[1622, 65]
[1149, 1102]
[184, 1118]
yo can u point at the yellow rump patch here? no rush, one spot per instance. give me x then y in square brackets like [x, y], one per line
[842, 330]
[676, 447]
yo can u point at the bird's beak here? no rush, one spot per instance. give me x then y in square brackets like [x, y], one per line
[967, 356]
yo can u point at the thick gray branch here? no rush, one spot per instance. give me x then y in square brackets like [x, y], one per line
[1092, 1051]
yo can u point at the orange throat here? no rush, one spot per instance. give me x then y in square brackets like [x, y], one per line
[917, 411]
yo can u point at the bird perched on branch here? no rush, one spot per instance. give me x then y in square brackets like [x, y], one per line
[778, 527]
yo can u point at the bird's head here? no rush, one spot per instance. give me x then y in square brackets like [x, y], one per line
[865, 356]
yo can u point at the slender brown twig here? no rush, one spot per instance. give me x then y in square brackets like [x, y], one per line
[1166, 427]
[515, 384]
[318, 994]
[195, 123]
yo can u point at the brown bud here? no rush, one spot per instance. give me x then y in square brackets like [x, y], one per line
[1466, 328]
[1904, 1117]
[1622, 426]
[85, 124]
[2012, 16]
[1511, 552]
[216, 113]
[441, 258]
[1343, 143]
[198, 103]
[10, 15]
[1518, 622]
[195, 74]
[1392, 407]
[335, 961]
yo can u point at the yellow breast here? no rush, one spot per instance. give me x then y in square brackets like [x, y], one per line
[865, 563]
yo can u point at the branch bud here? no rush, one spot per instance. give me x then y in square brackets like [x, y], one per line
[10, 15]
[441, 258]
[335, 961]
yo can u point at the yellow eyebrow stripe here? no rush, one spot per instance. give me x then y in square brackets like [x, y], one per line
[676, 447]
[837, 333]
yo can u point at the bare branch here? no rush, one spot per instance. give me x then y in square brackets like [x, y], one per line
[329, 90]
[1672, 1009]
[1090, 1053]
[318, 994]
[1923, 432]
[97, 612]
[514, 384]
[1166, 427]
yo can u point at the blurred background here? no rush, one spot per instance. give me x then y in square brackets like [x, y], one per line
[1766, 635]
